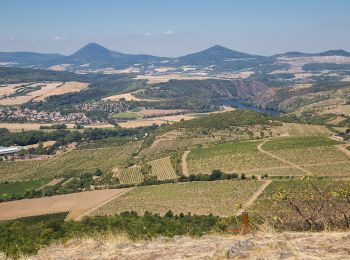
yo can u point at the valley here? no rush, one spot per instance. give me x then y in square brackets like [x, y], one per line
[105, 139]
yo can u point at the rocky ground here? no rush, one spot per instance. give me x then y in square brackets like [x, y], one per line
[259, 246]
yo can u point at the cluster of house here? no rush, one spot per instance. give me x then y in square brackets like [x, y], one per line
[106, 106]
[29, 115]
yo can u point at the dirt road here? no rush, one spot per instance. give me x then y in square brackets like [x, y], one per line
[184, 163]
[255, 195]
[281, 159]
[343, 148]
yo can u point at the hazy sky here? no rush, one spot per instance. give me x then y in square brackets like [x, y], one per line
[175, 27]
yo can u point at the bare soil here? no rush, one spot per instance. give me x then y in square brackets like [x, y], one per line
[82, 201]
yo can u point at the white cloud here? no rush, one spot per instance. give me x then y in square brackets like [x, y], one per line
[11, 39]
[148, 34]
[56, 38]
[168, 32]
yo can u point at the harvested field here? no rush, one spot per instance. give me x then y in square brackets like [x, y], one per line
[306, 130]
[216, 197]
[11, 95]
[127, 97]
[67, 87]
[156, 120]
[82, 201]
[74, 162]
[163, 169]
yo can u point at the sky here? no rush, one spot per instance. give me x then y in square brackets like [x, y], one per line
[175, 27]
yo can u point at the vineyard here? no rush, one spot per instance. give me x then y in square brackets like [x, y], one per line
[304, 204]
[296, 130]
[218, 197]
[230, 157]
[163, 169]
[73, 162]
[316, 154]
[130, 175]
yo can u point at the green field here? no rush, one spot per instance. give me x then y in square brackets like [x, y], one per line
[126, 115]
[230, 157]
[19, 187]
[74, 162]
[216, 197]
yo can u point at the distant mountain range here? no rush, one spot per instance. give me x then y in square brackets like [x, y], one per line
[94, 56]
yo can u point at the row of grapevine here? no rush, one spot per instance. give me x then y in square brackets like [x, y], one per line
[131, 175]
[162, 169]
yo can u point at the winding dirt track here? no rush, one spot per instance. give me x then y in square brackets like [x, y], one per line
[259, 146]
[255, 195]
[343, 148]
[184, 163]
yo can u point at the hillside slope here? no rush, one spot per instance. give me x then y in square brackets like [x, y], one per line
[260, 246]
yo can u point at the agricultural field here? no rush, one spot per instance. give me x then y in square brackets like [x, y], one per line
[74, 162]
[130, 175]
[163, 169]
[217, 197]
[126, 115]
[17, 94]
[321, 201]
[230, 157]
[296, 130]
[8, 189]
[79, 202]
[306, 150]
